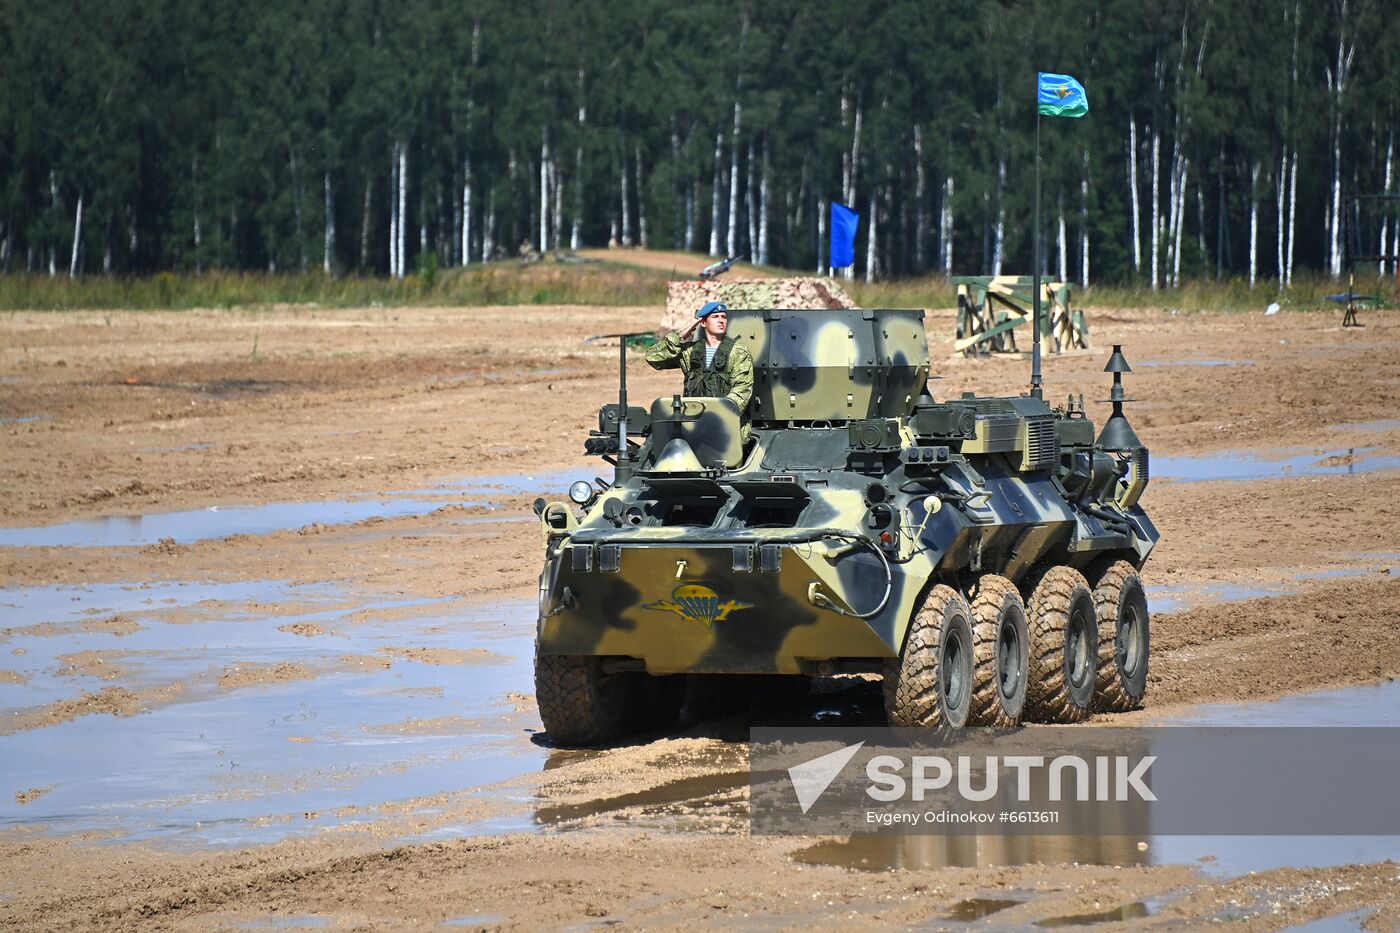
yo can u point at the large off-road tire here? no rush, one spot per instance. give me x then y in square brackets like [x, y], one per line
[931, 683]
[579, 703]
[1064, 644]
[1001, 653]
[1120, 603]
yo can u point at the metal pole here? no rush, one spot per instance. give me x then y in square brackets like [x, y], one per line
[624, 464]
[1035, 236]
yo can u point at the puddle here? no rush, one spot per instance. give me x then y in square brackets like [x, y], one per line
[1385, 424]
[889, 852]
[1337, 923]
[975, 908]
[1178, 597]
[1369, 705]
[1238, 465]
[686, 791]
[27, 419]
[1375, 705]
[1152, 363]
[476, 920]
[187, 527]
[1224, 856]
[252, 762]
[288, 922]
[1134, 911]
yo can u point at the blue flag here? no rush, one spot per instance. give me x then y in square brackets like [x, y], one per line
[1061, 96]
[843, 235]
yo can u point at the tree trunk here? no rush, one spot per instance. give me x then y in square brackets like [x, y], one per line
[77, 238]
[328, 263]
[576, 233]
[945, 226]
[1338, 80]
[1084, 223]
[855, 158]
[715, 194]
[872, 249]
[544, 191]
[750, 208]
[1180, 221]
[558, 185]
[626, 238]
[466, 211]
[1062, 247]
[921, 231]
[642, 237]
[692, 196]
[1133, 193]
[403, 207]
[1292, 210]
[488, 233]
[1385, 222]
[763, 194]
[732, 242]
[1253, 224]
[394, 212]
[1155, 233]
[822, 267]
[999, 238]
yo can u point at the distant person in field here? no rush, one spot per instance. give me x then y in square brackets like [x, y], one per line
[714, 364]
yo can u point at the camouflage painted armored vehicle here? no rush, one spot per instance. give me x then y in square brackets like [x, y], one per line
[982, 554]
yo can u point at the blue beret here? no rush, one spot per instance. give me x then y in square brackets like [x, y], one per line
[711, 307]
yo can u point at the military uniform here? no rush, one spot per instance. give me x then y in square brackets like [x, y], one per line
[729, 376]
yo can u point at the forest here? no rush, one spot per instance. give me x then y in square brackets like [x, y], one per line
[357, 137]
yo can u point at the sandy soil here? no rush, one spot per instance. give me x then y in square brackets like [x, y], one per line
[139, 413]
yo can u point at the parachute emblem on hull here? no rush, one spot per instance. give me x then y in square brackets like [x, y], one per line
[697, 603]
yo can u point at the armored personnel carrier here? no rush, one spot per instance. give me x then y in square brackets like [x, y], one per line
[980, 554]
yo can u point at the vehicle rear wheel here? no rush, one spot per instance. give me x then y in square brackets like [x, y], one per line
[1120, 603]
[579, 703]
[931, 683]
[1001, 653]
[1064, 644]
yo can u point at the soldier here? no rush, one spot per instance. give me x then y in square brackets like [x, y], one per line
[714, 365]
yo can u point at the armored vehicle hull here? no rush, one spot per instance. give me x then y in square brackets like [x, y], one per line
[959, 549]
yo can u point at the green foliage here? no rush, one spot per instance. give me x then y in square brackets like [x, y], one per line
[236, 137]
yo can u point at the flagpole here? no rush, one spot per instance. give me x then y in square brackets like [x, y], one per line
[1036, 391]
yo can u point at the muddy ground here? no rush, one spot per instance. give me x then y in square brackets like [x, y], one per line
[266, 602]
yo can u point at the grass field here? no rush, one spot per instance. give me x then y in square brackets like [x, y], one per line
[627, 280]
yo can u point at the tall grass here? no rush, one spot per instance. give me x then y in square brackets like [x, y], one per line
[506, 283]
[593, 283]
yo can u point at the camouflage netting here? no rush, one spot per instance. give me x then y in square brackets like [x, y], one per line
[683, 298]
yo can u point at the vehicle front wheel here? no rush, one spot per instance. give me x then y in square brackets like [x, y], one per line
[579, 703]
[1124, 639]
[931, 683]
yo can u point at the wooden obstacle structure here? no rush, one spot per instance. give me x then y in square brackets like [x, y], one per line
[990, 308]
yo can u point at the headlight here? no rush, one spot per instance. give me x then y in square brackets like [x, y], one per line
[582, 492]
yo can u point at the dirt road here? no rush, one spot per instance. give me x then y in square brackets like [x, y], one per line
[271, 571]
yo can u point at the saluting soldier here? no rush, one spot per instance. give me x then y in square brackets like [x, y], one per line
[714, 364]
